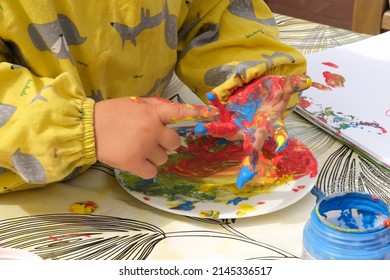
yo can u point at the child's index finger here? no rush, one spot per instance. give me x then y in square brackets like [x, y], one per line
[174, 113]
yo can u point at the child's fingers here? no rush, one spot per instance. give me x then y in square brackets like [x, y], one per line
[169, 139]
[224, 115]
[173, 113]
[216, 129]
[279, 134]
[145, 169]
[247, 172]
[151, 100]
[158, 157]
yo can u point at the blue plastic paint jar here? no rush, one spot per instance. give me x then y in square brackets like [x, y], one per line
[348, 226]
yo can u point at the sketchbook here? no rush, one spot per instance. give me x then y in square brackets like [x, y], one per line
[350, 96]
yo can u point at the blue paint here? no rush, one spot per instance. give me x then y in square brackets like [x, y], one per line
[200, 129]
[245, 175]
[222, 141]
[348, 226]
[236, 200]
[210, 96]
[316, 191]
[186, 206]
[244, 113]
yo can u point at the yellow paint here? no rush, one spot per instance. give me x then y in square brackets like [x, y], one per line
[84, 207]
[209, 214]
[244, 208]
[240, 213]
[173, 205]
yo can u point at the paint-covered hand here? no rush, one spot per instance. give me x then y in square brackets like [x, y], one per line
[252, 114]
[131, 133]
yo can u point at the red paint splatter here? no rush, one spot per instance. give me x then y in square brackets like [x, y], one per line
[203, 156]
[298, 188]
[386, 223]
[330, 64]
[320, 86]
[261, 202]
[304, 103]
[67, 236]
[295, 159]
[333, 80]
[147, 198]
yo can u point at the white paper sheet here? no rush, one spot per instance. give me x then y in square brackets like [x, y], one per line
[359, 112]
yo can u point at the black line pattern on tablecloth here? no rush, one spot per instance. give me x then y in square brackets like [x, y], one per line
[343, 170]
[313, 137]
[346, 171]
[97, 237]
[309, 37]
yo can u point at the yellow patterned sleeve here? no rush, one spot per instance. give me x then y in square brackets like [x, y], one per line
[46, 127]
[226, 46]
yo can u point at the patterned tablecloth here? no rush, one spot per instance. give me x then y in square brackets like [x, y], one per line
[123, 227]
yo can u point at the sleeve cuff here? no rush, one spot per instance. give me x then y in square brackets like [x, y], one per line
[89, 134]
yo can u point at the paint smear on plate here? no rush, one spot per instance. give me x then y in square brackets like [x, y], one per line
[214, 214]
[205, 168]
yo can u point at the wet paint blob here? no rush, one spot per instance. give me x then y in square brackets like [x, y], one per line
[330, 64]
[83, 207]
[205, 168]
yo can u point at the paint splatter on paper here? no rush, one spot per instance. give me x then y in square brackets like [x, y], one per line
[337, 120]
[333, 80]
[330, 64]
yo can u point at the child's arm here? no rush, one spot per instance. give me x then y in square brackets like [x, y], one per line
[230, 45]
[131, 133]
[50, 130]
[224, 45]
[46, 125]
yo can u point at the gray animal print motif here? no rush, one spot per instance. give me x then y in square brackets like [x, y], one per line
[148, 22]
[39, 94]
[73, 174]
[185, 29]
[218, 75]
[29, 168]
[270, 58]
[164, 80]
[188, 3]
[207, 34]
[56, 37]
[244, 9]
[96, 96]
[16, 66]
[6, 112]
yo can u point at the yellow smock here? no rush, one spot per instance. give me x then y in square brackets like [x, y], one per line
[59, 57]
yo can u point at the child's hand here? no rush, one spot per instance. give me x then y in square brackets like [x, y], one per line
[131, 133]
[253, 113]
